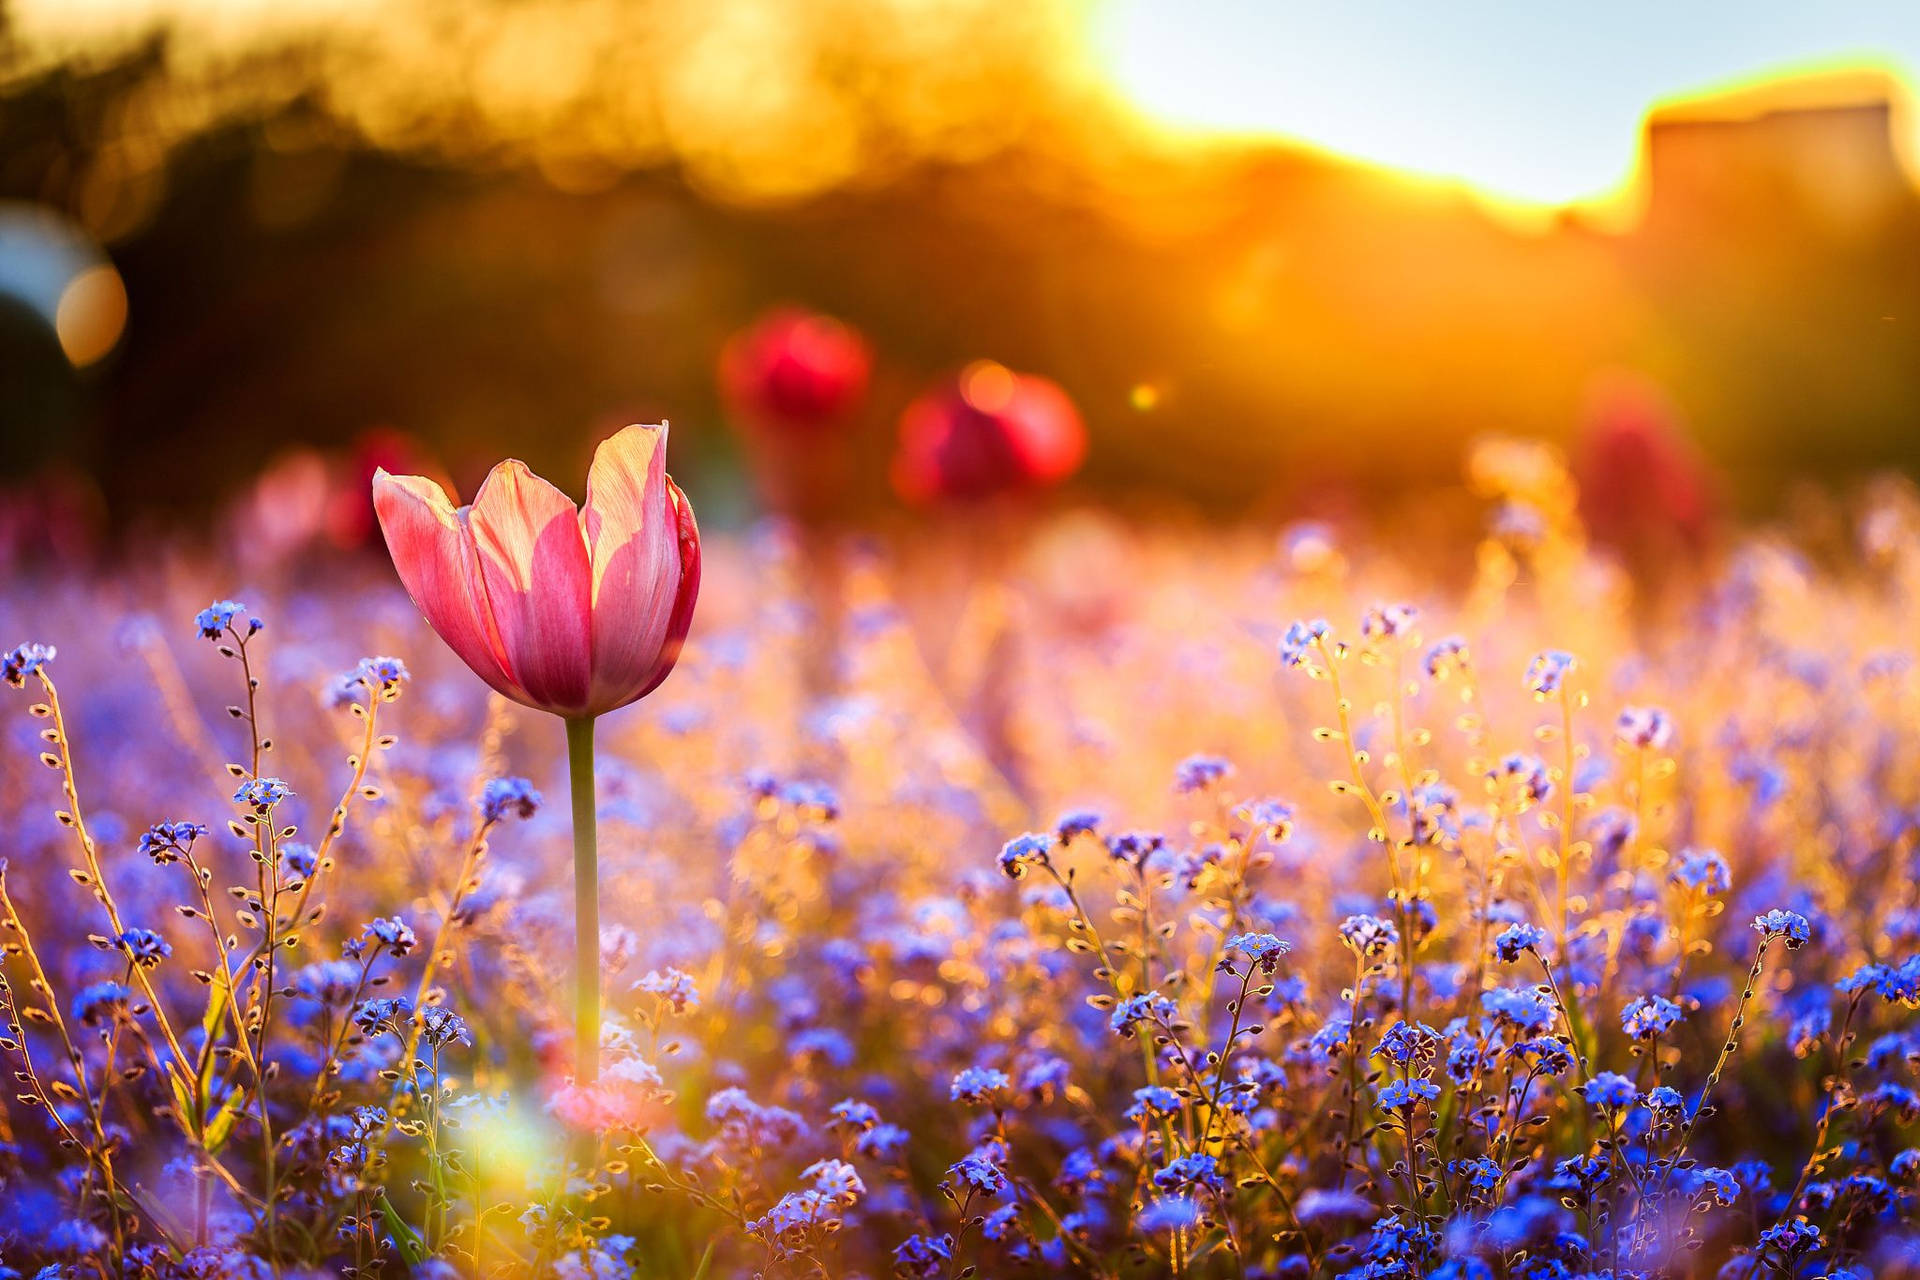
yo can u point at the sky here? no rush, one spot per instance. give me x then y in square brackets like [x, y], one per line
[1537, 101]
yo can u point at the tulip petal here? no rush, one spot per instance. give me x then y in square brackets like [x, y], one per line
[634, 545]
[533, 561]
[681, 619]
[435, 556]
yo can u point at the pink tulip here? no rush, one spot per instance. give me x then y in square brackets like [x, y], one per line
[569, 610]
[563, 609]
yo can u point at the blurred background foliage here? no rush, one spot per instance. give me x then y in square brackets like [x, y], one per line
[459, 229]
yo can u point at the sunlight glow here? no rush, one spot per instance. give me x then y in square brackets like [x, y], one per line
[1538, 104]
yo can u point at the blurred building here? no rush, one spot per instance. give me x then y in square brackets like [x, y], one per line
[1833, 160]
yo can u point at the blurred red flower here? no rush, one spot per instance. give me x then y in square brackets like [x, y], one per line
[350, 517]
[1645, 489]
[990, 431]
[794, 370]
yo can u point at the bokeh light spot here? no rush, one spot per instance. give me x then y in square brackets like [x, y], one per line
[91, 313]
[987, 386]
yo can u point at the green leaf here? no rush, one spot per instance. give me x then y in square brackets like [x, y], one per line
[221, 1125]
[182, 1099]
[410, 1247]
[209, 1031]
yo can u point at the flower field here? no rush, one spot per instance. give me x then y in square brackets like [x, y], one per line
[1146, 900]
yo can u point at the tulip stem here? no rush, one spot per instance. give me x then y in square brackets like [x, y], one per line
[586, 904]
